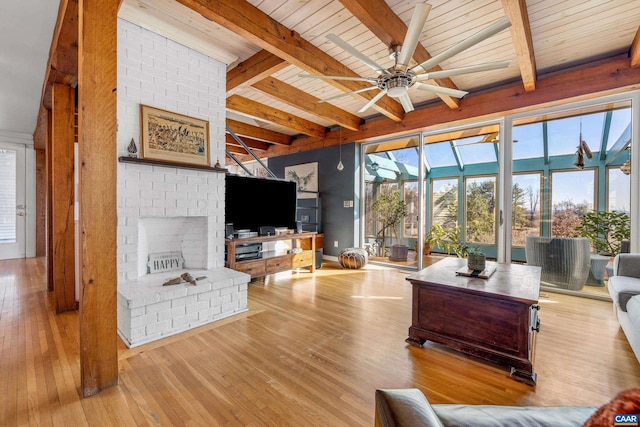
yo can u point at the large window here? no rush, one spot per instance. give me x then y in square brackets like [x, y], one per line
[410, 195]
[480, 210]
[444, 208]
[8, 171]
[572, 194]
[526, 196]
[618, 191]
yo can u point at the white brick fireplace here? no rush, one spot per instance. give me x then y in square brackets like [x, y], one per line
[168, 209]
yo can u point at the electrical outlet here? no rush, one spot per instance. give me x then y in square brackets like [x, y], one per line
[335, 243]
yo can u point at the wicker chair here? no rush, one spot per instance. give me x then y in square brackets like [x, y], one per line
[565, 262]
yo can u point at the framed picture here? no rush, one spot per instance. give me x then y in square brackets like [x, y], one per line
[306, 176]
[173, 137]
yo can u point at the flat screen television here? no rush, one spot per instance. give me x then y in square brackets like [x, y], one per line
[251, 203]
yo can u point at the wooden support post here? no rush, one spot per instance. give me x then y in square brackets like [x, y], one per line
[62, 197]
[41, 202]
[49, 143]
[97, 193]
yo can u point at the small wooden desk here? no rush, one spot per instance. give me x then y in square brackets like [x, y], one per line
[495, 319]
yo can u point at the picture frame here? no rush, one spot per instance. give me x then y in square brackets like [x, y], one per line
[305, 175]
[173, 137]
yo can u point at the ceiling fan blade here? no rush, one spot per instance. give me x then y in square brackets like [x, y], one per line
[456, 93]
[491, 30]
[412, 37]
[355, 52]
[372, 101]
[342, 95]
[354, 79]
[463, 70]
[406, 103]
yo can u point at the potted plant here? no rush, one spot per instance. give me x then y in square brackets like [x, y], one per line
[390, 210]
[605, 230]
[476, 260]
[447, 240]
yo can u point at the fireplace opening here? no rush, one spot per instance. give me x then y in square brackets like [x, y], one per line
[186, 235]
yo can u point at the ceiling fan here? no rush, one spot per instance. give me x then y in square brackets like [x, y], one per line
[397, 80]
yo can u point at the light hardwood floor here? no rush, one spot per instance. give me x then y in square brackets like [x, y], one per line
[311, 351]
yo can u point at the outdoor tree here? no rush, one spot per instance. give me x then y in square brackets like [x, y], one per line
[390, 210]
[534, 197]
[480, 209]
[566, 217]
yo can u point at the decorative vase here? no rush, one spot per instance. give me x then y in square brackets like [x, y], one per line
[476, 261]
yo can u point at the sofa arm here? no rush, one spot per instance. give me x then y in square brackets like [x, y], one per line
[404, 408]
[627, 265]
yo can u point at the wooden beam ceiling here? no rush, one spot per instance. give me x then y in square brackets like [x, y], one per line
[390, 29]
[635, 50]
[261, 65]
[604, 78]
[309, 103]
[260, 134]
[259, 28]
[254, 144]
[260, 111]
[516, 11]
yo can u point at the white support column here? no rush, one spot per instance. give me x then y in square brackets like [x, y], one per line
[634, 155]
[505, 179]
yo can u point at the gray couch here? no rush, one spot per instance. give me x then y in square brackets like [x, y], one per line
[410, 408]
[565, 261]
[624, 288]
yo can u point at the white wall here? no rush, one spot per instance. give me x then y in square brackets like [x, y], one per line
[158, 72]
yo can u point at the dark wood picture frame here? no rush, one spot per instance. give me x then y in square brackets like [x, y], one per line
[173, 137]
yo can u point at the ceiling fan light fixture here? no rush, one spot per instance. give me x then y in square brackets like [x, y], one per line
[397, 92]
[398, 84]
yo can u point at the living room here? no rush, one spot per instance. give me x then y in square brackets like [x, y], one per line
[280, 307]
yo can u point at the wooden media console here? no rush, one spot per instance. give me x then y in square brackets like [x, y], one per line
[271, 262]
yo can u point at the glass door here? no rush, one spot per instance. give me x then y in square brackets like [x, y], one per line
[12, 201]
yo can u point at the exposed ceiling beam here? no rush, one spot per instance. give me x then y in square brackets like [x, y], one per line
[580, 83]
[309, 103]
[259, 66]
[260, 111]
[260, 29]
[257, 133]
[62, 66]
[236, 149]
[254, 144]
[390, 29]
[516, 11]
[635, 50]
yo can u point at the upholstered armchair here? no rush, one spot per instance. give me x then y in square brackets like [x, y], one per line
[565, 261]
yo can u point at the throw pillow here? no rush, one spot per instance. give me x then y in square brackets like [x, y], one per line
[625, 402]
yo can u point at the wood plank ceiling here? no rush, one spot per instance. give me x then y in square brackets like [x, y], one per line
[268, 43]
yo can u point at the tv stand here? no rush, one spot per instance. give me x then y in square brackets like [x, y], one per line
[273, 262]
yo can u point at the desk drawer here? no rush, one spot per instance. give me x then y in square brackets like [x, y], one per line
[302, 259]
[254, 268]
[281, 263]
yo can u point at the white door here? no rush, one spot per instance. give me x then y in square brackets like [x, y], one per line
[12, 201]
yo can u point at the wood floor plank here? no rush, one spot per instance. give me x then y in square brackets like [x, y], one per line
[311, 351]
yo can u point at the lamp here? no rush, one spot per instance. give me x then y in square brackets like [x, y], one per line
[340, 165]
[375, 166]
